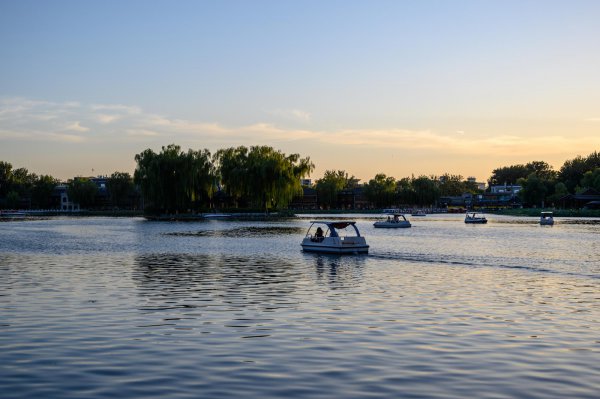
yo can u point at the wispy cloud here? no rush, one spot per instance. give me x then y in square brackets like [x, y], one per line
[293, 114]
[76, 127]
[107, 118]
[141, 133]
[23, 119]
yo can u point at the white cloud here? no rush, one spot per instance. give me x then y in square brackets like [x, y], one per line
[141, 133]
[23, 119]
[69, 138]
[106, 118]
[76, 127]
[124, 109]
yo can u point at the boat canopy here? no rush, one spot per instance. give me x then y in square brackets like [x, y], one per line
[335, 224]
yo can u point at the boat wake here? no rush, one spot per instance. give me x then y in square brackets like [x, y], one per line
[427, 258]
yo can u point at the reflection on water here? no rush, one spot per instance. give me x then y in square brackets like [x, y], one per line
[186, 276]
[127, 308]
[339, 271]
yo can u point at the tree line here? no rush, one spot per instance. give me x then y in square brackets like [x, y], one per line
[542, 185]
[261, 177]
[20, 188]
[383, 190]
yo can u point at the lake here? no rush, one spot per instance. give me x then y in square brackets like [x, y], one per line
[124, 307]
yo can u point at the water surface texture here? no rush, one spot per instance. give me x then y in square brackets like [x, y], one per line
[108, 307]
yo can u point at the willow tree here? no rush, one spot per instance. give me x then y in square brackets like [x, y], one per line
[173, 180]
[273, 177]
[267, 177]
[200, 183]
[231, 169]
[120, 188]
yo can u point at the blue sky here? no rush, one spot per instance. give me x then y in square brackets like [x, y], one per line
[397, 87]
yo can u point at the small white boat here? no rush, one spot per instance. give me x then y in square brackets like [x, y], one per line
[546, 218]
[473, 219]
[324, 236]
[395, 221]
[418, 213]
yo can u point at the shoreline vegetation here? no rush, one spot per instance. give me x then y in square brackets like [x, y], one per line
[263, 180]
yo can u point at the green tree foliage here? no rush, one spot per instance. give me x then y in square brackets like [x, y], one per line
[381, 190]
[82, 191]
[533, 190]
[267, 177]
[13, 200]
[41, 195]
[231, 167]
[331, 184]
[19, 188]
[5, 178]
[573, 170]
[471, 187]
[560, 190]
[23, 182]
[426, 190]
[120, 188]
[542, 170]
[511, 174]
[273, 177]
[452, 185]
[173, 180]
[591, 179]
[405, 191]
[508, 175]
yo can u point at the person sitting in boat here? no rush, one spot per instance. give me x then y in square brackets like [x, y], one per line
[319, 234]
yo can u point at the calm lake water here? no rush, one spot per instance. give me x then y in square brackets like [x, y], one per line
[109, 307]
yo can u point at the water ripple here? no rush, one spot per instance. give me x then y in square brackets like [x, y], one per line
[148, 311]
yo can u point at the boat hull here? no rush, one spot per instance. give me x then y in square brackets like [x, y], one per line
[386, 225]
[336, 245]
[336, 249]
[483, 221]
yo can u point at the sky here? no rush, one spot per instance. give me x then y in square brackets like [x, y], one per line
[396, 87]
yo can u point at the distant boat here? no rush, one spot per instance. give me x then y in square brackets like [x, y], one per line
[546, 219]
[419, 213]
[329, 241]
[397, 221]
[472, 219]
[215, 215]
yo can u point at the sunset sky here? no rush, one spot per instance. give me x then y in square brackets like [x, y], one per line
[398, 87]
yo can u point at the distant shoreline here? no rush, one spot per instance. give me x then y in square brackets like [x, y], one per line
[557, 212]
[525, 212]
